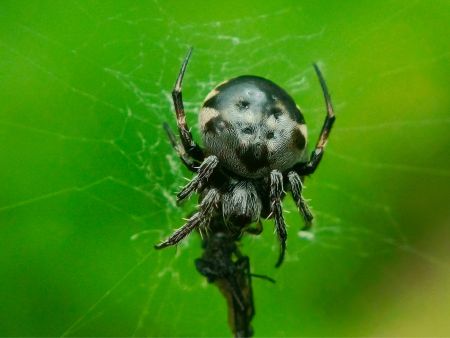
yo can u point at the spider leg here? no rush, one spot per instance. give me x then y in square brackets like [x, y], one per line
[205, 171]
[316, 155]
[184, 157]
[276, 191]
[296, 190]
[203, 216]
[191, 148]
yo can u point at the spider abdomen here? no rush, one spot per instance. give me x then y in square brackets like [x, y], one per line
[253, 126]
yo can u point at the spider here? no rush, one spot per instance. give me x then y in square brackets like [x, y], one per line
[254, 138]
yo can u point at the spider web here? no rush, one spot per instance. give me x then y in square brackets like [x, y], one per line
[114, 113]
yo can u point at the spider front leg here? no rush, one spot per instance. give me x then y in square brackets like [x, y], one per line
[181, 152]
[205, 171]
[308, 168]
[296, 190]
[200, 219]
[190, 147]
[276, 193]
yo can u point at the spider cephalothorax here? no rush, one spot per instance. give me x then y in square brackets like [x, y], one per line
[254, 149]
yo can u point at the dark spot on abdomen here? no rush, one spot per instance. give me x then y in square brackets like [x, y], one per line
[298, 139]
[254, 157]
[215, 125]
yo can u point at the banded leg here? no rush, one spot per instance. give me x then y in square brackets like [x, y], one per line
[316, 155]
[181, 152]
[191, 148]
[276, 192]
[197, 183]
[296, 190]
[199, 219]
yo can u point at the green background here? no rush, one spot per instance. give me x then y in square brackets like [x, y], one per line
[88, 178]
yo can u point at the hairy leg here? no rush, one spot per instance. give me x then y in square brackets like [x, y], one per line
[181, 152]
[296, 190]
[309, 167]
[205, 171]
[276, 192]
[190, 146]
[201, 218]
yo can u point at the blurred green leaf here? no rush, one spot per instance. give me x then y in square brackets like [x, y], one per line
[88, 177]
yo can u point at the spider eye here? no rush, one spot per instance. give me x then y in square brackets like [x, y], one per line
[270, 135]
